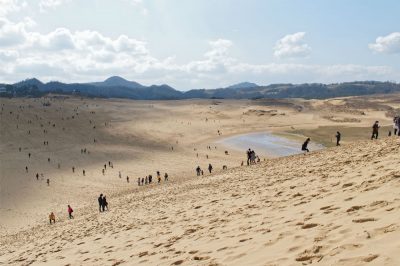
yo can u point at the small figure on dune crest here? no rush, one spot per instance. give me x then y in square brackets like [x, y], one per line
[48, 182]
[26, 169]
[375, 130]
[52, 218]
[305, 144]
[127, 179]
[37, 176]
[138, 181]
[210, 168]
[119, 174]
[165, 177]
[73, 169]
[70, 211]
[83, 172]
[338, 137]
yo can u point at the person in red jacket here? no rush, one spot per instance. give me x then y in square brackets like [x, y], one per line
[70, 211]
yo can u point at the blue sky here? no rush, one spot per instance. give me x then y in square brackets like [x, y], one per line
[200, 44]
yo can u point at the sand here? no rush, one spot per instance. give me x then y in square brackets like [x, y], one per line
[336, 206]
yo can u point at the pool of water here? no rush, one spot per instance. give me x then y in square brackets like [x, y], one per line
[266, 144]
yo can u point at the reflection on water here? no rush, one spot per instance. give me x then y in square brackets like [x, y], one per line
[266, 144]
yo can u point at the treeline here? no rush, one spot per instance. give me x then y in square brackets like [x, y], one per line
[132, 90]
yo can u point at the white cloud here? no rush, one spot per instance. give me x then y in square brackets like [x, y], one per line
[79, 56]
[389, 44]
[44, 5]
[292, 45]
[8, 6]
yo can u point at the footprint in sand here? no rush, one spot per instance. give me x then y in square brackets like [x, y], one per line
[363, 220]
[354, 208]
[193, 251]
[178, 262]
[201, 258]
[307, 226]
[357, 260]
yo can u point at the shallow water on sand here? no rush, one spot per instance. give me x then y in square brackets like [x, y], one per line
[266, 144]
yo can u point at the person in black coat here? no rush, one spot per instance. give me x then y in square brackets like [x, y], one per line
[100, 199]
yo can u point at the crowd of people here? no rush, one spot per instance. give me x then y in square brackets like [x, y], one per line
[252, 157]
[149, 179]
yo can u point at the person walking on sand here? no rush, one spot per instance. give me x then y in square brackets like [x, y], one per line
[375, 130]
[198, 170]
[127, 179]
[252, 157]
[210, 168]
[338, 136]
[70, 211]
[248, 156]
[305, 144]
[104, 203]
[138, 181]
[100, 200]
[37, 176]
[52, 218]
[398, 126]
[165, 177]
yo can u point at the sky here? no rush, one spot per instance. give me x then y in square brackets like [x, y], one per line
[193, 44]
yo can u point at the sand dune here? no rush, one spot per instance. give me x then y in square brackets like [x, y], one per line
[338, 206]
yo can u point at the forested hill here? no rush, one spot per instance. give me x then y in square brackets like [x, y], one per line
[117, 87]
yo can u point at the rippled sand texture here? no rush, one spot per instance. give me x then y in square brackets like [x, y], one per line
[338, 206]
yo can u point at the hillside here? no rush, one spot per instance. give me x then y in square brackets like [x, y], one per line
[338, 206]
[117, 87]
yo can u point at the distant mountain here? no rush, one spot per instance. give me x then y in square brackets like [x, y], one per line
[29, 82]
[117, 87]
[243, 85]
[116, 81]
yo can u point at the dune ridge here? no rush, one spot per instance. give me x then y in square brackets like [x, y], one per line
[339, 206]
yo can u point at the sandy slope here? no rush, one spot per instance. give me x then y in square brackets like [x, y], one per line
[339, 206]
[137, 137]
